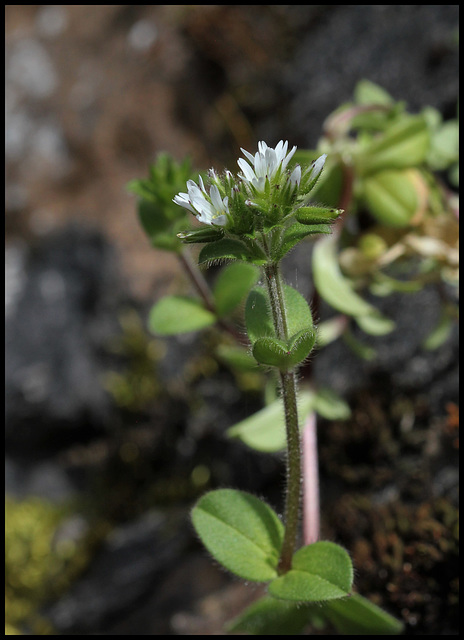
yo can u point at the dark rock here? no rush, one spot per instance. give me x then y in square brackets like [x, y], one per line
[131, 563]
[66, 293]
[410, 50]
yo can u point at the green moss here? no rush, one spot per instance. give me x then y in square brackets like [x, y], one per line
[38, 567]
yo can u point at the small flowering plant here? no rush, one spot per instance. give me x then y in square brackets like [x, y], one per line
[257, 217]
[373, 157]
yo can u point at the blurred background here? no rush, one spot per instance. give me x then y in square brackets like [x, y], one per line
[111, 433]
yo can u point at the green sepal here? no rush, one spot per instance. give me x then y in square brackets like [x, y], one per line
[205, 234]
[241, 532]
[320, 571]
[317, 215]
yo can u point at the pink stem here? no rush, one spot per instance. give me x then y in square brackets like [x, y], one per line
[311, 518]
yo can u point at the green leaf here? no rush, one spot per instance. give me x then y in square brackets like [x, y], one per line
[375, 324]
[358, 616]
[271, 351]
[224, 249]
[265, 430]
[392, 197]
[405, 144]
[299, 317]
[236, 357]
[271, 617]
[241, 532]
[444, 149]
[320, 571]
[330, 330]
[441, 332]
[300, 346]
[330, 405]
[330, 283]
[258, 317]
[232, 284]
[367, 92]
[179, 314]
[357, 347]
[277, 353]
[385, 285]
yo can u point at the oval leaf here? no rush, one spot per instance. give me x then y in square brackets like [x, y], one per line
[265, 430]
[178, 314]
[299, 317]
[232, 284]
[358, 616]
[241, 532]
[271, 351]
[300, 346]
[258, 317]
[405, 144]
[320, 571]
[330, 406]
[375, 324]
[332, 285]
[271, 617]
[392, 197]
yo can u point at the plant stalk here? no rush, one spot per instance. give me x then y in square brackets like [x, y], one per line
[289, 397]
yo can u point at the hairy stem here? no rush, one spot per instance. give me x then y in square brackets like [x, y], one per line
[289, 397]
[292, 501]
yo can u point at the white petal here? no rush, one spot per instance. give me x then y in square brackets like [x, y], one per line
[318, 166]
[295, 176]
[220, 220]
[202, 186]
[250, 157]
[182, 200]
[216, 198]
[249, 174]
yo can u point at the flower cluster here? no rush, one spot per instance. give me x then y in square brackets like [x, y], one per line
[264, 186]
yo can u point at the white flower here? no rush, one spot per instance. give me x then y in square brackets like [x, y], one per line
[265, 163]
[210, 209]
